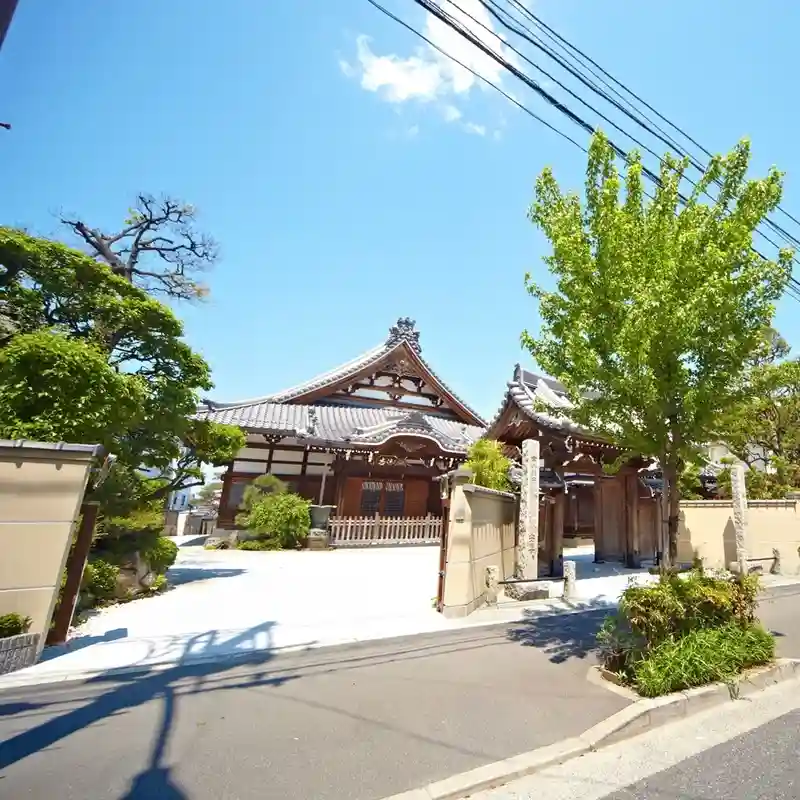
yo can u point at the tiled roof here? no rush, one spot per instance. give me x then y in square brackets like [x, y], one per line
[532, 394]
[344, 425]
[403, 333]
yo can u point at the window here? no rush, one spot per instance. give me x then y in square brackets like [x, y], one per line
[236, 494]
[393, 500]
[386, 498]
[370, 498]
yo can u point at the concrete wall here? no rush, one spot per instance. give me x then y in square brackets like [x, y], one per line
[706, 528]
[481, 533]
[41, 491]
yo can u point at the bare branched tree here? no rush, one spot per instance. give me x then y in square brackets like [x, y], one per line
[159, 249]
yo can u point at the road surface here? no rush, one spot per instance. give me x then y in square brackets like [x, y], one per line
[355, 723]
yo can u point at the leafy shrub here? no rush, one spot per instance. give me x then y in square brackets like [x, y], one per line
[488, 465]
[703, 656]
[161, 554]
[653, 622]
[261, 487]
[13, 625]
[159, 584]
[99, 582]
[283, 517]
[262, 543]
[221, 545]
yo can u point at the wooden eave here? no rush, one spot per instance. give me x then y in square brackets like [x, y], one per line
[327, 391]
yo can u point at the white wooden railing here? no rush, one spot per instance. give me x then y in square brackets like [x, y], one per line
[366, 531]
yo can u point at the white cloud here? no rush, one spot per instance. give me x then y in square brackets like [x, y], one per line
[429, 76]
[471, 127]
[412, 131]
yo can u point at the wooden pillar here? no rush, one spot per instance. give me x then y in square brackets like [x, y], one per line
[599, 541]
[556, 549]
[633, 549]
[76, 563]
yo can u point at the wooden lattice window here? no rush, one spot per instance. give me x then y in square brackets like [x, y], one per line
[371, 498]
[393, 499]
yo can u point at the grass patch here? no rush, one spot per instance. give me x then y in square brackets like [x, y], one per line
[702, 657]
[687, 630]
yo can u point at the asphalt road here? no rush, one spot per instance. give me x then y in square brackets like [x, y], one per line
[763, 764]
[353, 723]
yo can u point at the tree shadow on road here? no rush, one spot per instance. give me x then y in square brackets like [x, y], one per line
[178, 576]
[563, 636]
[135, 688]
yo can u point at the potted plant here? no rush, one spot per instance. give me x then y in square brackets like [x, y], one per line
[17, 647]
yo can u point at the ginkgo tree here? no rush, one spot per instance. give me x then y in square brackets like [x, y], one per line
[659, 303]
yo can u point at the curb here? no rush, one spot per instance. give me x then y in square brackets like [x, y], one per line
[642, 715]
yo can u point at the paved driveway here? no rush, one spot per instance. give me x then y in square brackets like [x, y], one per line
[232, 601]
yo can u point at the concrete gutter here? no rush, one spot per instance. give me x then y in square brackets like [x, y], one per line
[639, 717]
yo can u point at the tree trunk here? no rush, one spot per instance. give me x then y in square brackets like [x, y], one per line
[670, 500]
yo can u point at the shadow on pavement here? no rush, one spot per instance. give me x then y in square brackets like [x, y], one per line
[178, 576]
[134, 689]
[562, 637]
[79, 642]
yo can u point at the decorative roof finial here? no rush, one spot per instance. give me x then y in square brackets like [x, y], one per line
[404, 331]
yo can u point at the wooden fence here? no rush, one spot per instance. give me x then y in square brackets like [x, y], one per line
[367, 531]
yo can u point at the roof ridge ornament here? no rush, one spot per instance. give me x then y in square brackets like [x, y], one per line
[404, 331]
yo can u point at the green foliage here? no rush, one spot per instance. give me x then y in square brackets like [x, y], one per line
[161, 555]
[159, 584]
[689, 482]
[763, 428]
[488, 464]
[701, 657]
[208, 490]
[763, 485]
[53, 388]
[13, 625]
[117, 538]
[264, 543]
[653, 621]
[659, 306]
[255, 492]
[93, 358]
[99, 583]
[282, 517]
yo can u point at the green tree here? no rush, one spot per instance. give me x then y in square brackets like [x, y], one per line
[489, 465]
[208, 491]
[658, 305]
[94, 358]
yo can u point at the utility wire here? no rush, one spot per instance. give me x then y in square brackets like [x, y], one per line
[567, 44]
[451, 22]
[526, 33]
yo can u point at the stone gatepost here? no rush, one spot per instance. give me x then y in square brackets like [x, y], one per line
[528, 542]
[570, 577]
[739, 496]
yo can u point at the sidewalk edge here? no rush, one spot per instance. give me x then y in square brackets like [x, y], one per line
[637, 718]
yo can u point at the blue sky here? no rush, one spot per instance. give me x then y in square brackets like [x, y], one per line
[347, 188]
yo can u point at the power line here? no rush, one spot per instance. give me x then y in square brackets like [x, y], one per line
[476, 74]
[465, 33]
[567, 44]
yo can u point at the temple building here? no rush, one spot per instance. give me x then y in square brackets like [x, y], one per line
[616, 511]
[368, 437]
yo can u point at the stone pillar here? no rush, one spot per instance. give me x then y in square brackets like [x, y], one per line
[492, 585]
[570, 578]
[597, 496]
[528, 544]
[739, 496]
[556, 544]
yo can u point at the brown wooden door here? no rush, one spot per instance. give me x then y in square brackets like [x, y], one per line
[614, 526]
[416, 500]
[351, 498]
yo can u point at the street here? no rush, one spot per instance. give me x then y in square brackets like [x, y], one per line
[347, 723]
